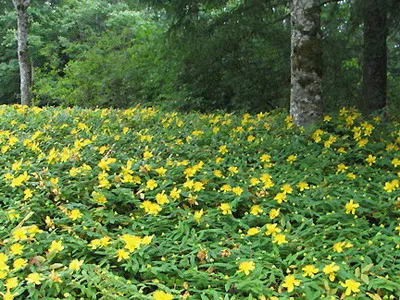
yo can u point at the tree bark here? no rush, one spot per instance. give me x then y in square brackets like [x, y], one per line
[306, 62]
[21, 7]
[374, 81]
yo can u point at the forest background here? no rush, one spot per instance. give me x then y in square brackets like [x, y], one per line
[203, 55]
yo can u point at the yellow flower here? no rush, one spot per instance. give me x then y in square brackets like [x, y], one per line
[161, 295]
[198, 186]
[351, 286]
[233, 170]
[391, 186]
[280, 197]
[310, 270]
[55, 277]
[146, 240]
[19, 234]
[327, 118]
[351, 207]
[197, 132]
[3, 274]
[303, 186]
[223, 149]
[237, 190]
[226, 208]
[103, 181]
[197, 215]
[19, 263]
[251, 138]
[316, 136]
[56, 246]
[188, 184]
[121, 254]
[16, 249]
[254, 181]
[362, 143]
[132, 242]
[226, 188]
[330, 141]
[20, 180]
[161, 198]
[94, 244]
[74, 171]
[246, 267]
[3, 257]
[273, 213]
[99, 197]
[341, 168]
[267, 181]
[49, 222]
[33, 229]
[104, 241]
[396, 162]
[75, 265]
[13, 215]
[75, 214]
[151, 208]
[330, 270]
[8, 296]
[265, 158]
[16, 166]
[190, 172]
[217, 173]
[286, 189]
[11, 283]
[105, 162]
[289, 282]
[161, 171]
[147, 154]
[175, 193]
[371, 159]
[338, 247]
[272, 229]
[279, 239]
[255, 210]
[34, 278]
[398, 228]
[151, 184]
[27, 194]
[253, 231]
[291, 158]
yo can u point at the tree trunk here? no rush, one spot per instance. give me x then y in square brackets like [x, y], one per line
[306, 62]
[374, 82]
[21, 7]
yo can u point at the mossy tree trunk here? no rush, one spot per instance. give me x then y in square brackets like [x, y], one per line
[374, 82]
[306, 62]
[21, 7]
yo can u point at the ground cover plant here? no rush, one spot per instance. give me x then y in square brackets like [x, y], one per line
[148, 204]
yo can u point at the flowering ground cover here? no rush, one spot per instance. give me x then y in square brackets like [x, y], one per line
[149, 204]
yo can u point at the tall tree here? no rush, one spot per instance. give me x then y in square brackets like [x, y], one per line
[306, 62]
[374, 83]
[21, 7]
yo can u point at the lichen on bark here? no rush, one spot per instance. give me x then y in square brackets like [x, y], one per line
[21, 7]
[306, 62]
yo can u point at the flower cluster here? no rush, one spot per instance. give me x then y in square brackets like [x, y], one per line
[148, 204]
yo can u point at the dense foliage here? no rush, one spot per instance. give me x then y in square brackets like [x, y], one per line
[147, 204]
[203, 55]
